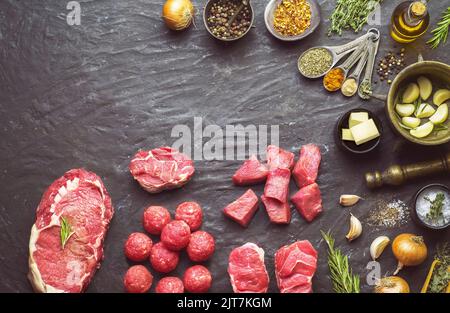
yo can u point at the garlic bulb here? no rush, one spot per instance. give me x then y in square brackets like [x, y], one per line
[355, 228]
[348, 200]
[378, 245]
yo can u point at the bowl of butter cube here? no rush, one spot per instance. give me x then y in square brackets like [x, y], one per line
[358, 131]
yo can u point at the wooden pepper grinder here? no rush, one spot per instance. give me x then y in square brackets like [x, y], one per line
[398, 174]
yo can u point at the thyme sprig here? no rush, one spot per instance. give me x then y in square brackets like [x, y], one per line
[436, 206]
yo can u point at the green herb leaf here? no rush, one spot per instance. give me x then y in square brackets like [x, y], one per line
[441, 276]
[66, 232]
[341, 275]
[440, 33]
[437, 204]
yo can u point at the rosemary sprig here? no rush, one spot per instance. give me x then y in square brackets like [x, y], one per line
[66, 232]
[440, 33]
[341, 274]
[436, 206]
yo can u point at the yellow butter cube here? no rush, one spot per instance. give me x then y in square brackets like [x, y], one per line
[347, 134]
[364, 132]
[357, 118]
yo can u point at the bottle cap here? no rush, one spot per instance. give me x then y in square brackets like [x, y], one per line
[418, 8]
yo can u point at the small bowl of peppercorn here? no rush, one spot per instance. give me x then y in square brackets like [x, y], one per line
[228, 20]
[291, 20]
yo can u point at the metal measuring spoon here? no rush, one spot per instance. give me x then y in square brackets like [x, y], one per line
[356, 74]
[336, 52]
[365, 88]
[348, 64]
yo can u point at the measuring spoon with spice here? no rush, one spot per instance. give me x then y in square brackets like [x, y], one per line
[365, 88]
[333, 80]
[317, 61]
[350, 85]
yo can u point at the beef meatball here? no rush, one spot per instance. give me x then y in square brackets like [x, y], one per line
[162, 259]
[155, 218]
[176, 235]
[137, 279]
[197, 279]
[201, 246]
[191, 213]
[138, 247]
[170, 285]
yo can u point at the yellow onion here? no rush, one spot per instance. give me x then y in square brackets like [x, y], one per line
[409, 250]
[178, 14]
[392, 284]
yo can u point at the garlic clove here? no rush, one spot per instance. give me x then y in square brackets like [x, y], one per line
[348, 200]
[378, 245]
[355, 228]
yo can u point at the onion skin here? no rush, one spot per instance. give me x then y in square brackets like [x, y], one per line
[409, 250]
[392, 284]
[178, 14]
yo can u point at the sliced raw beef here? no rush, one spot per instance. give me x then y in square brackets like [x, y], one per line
[161, 169]
[295, 266]
[79, 201]
[279, 212]
[279, 158]
[247, 270]
[307, 166]
[250, 173]
[242, 209]
[277, 184]
[308, 201]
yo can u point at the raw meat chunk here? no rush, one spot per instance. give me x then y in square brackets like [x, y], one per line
[279, 212]
[176, 235]
[307, 166]
[137, 279]
[308, 201]
[250, 173]
[162, 259]
[247, 270]
[197, 279]
[201, 246]
[170, 285]
[155, 218]
[242, 209]
[279, 158]
[295, 266]
[161, 169]
[277, 184]
[138, 247]
[191, 213]
[79, 201]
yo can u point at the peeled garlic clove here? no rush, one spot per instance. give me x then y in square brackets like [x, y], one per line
[355, 229]
[349, 200]
[378, 245]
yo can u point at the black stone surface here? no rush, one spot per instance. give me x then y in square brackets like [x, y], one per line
[92, 95]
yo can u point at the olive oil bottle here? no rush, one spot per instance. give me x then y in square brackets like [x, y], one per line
[409, 21]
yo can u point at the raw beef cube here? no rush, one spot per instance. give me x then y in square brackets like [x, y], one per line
[295, 266]
[279, 212]
[247, 269]
[279, 158]
[307, 166]
[277, 184]
[308, 201]
[243, 209]
[251, 172]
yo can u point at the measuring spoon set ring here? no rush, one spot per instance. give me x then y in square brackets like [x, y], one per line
[361, 52]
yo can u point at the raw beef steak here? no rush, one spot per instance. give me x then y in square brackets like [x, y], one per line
[279, 158]
[251, 172]
[307, 166]
[161, 169]
[295, 266]
[277, 184]
[279, 212]
[308, 201]
[247, 270]
[242, 209]
[80, 201]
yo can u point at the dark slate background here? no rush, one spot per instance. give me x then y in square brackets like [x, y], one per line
[91, 95]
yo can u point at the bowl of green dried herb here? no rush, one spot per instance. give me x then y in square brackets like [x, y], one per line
[431, 207]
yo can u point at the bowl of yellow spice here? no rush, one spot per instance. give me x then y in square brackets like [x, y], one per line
[290, 20]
